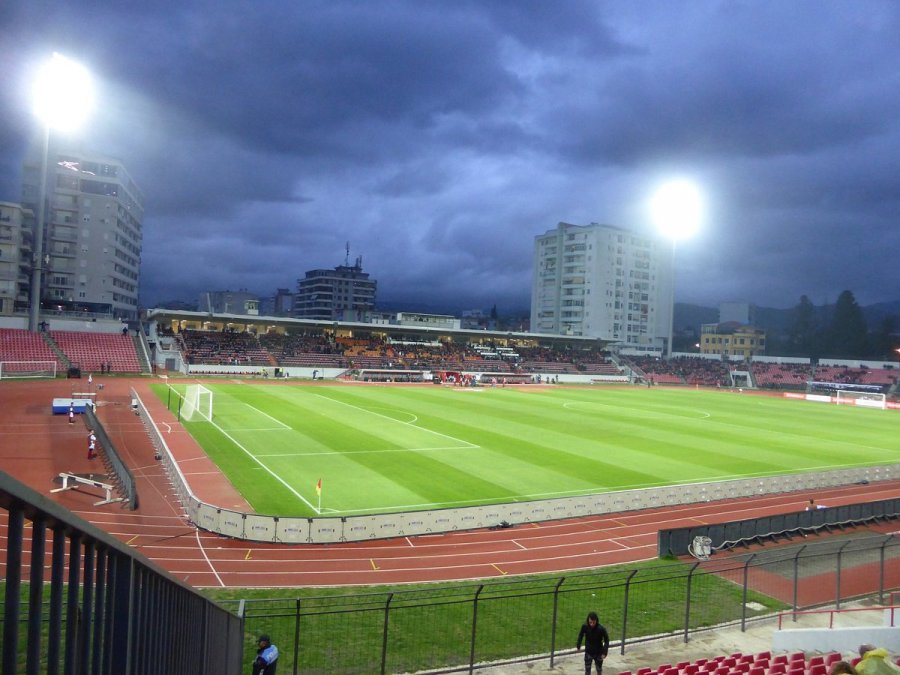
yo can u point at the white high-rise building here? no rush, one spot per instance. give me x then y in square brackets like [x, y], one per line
[92, 234]
[605, 282]
[15, 260]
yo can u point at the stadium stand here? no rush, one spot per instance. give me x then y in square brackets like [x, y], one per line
[761, 663]
[777, 375]
[224, 348]
[21, 345]
[90, 351]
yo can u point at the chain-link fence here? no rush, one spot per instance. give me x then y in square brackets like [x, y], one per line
[460, 628]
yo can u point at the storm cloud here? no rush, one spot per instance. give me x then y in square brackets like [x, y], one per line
[439, 138]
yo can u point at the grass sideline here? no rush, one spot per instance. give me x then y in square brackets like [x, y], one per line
[514, 617]
[416, 448]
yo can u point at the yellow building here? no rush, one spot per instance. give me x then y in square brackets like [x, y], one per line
[732, 339]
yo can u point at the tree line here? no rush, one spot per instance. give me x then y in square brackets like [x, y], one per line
[840, 331]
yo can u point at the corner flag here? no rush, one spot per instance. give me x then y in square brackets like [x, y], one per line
[319, 487]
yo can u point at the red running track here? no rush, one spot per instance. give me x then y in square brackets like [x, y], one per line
[36, 446]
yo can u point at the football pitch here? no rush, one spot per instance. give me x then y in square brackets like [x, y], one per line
[379, 449]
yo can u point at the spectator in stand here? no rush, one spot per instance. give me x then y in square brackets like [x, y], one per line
[596, 643]
[266, 657]
[841, 668]
[875, 661]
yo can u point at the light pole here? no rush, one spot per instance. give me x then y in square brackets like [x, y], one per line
[677, 209]
[63, 96]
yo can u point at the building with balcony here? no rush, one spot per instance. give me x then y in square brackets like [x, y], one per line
[15, 257]
[93, 233]
[344, 293]
[605, 282]
[732, 338]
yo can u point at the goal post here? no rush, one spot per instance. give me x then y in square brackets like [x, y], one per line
[27, 369]
[864, 399]
[197, 404]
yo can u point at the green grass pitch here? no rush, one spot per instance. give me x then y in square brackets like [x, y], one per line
[392, 448]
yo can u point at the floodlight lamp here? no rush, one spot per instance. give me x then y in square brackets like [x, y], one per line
[63, 94]
[677, 209]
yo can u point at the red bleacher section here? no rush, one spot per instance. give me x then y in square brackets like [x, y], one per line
[781, 374]
[23, 345]
[763, 663]
[91, 350]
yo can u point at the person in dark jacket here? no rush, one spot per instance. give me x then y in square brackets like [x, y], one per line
[266, 657]
[596, 643]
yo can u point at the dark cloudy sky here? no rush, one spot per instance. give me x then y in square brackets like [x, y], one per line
[440, 137]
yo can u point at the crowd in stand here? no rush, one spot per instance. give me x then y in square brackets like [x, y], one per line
[322, 350]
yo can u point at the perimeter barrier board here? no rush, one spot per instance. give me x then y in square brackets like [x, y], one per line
[231, 524]
[677, 541]
[292, 530]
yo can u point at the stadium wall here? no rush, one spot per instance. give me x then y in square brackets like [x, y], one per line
[257, 527]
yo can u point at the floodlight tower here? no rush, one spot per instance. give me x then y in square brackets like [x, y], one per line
[63, 97]
[677, 209]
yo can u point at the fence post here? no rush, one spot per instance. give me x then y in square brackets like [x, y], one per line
[796, 582]
[744, 596]
[687, 604]
[837, 602]
[35, 596]
[384, 635]
[474, 629]
[625, 611]
[553, 624]
[11, 608]
[296, 634]
[72, 619]
[881, 570]
[54, 619]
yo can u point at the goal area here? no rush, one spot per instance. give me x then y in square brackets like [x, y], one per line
[197, 403]
[27, 369]
[865, 399]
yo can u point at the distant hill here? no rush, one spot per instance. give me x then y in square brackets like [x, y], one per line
[777, 321]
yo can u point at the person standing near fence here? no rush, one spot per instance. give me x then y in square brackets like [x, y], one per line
[596, 643]
[266, 657]
[92, 445]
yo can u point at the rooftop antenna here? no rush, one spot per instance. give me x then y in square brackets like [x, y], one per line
[347, 256]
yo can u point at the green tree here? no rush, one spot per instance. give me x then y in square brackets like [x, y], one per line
[803, 332]
[847, 335]
[883, 340]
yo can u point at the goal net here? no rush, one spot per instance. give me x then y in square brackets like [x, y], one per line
[11, 369]
[864, 399]
[197, 404]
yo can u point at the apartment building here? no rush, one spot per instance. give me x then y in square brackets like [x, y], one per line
[15, 257]
[344, 293]
[605, 282]
[92, 233]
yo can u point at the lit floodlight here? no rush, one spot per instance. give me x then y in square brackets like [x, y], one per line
[63, 94]
[677, 209]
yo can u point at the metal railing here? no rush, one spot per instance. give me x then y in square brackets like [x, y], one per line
[476, 626]
[124, 479]
[104, 609]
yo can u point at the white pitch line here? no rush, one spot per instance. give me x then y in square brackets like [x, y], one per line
[264, 467]
[238, 429]
[279, 422]
[367, 452]
[436, 433]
